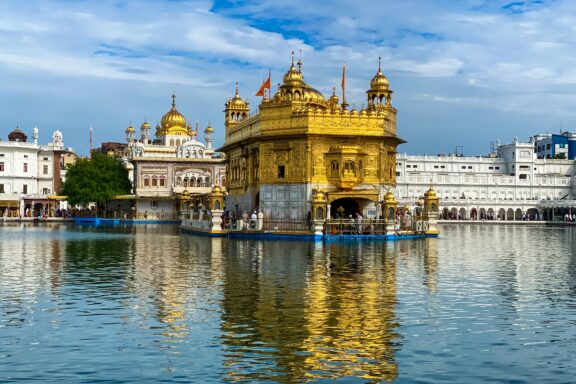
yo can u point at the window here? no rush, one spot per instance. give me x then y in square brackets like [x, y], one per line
[408, 166]
[548, 146]
[1, 155]
[25, 188]
[45, 169]
[25, 156]
[45, 159]
[281, 173]
[414, 166]
[25, 167]
[1, 166]
[442, 167]
[523, 177]
[469, 167]
[45, 191]
[463, 167]
[334, 168]
[147, 182]
[436, 166]
[154, 181]
[398, 174]
[490, 167]
[496, 167]
[162, 182]
[1, 188]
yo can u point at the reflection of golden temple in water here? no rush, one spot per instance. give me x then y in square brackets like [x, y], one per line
[310, 313]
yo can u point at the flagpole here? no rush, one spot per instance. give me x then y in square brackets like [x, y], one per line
[90, 142]
[344, 103]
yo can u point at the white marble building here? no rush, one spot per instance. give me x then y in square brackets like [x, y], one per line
[161, 168]
[31, 174]
[509, 184]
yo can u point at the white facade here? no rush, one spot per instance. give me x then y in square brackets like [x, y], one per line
[509, 184]
[162, 169]
[29, 173]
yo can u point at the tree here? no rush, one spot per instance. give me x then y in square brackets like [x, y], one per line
[97, 180]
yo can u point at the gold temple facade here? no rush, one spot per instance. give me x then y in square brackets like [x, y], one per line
[300, 142]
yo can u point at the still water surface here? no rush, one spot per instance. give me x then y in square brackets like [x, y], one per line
[145, 304]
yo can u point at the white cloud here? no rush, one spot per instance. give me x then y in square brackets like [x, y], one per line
[470, 55]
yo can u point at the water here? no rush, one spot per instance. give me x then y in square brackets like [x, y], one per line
[144, 304]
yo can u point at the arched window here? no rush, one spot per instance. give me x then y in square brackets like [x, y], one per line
[185, 182]
[154, 181]
[349, 167]
[146, 181]
[171, 142]
[178, 142]
[207, 181]
[162, 181]
[199, 182]
[178, 181]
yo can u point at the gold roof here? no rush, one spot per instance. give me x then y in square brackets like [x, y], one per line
[237, 101]
[379, 81]
[130, 128]
[173, 122]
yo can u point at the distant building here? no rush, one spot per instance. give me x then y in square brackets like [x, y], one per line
[161, 169]
[555, 146]
[510, 184]
[31, 174]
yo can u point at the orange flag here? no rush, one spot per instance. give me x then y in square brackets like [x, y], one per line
[265, 85]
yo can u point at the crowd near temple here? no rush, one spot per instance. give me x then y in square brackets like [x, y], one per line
[300, 157]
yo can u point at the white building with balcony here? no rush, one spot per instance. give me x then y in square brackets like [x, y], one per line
[509, 184]
[162, 168]
[31, 174]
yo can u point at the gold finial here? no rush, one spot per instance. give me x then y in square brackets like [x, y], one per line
[236, 88]
[292, 58]
[333, 91]
[173, 100]
[379, 58]
[299, 63]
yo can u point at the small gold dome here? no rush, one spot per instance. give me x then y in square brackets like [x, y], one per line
[334, 98]
[389, 197]
[130, 129]
[185, 193]
[145, 125]
[293, 76]
[430, 194]
[379, 81]
[209, 129]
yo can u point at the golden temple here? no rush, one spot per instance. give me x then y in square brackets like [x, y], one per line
[301, 147]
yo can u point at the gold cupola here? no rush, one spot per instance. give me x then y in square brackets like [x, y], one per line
[130, 132]
[236, 110]
[294, 89]
[173, 122]
[379, 94]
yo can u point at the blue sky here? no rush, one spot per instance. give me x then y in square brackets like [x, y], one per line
[464, 73]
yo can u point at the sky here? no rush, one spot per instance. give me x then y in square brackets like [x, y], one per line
[464, 73]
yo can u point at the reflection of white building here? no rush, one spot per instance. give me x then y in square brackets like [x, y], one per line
[30, 174]
[162, 168]
[509, 184]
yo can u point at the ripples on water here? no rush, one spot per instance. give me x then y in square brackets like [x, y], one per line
[144, 304]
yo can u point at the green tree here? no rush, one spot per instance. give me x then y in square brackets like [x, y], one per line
[96, 180]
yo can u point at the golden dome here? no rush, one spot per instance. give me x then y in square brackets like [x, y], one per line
[389, 197]
[237, 101]
[173, 121]
[430, 194]
[145, 125]
[334, 98]
[209, 129]
[379, 81]
[293, 77]
[130, 129]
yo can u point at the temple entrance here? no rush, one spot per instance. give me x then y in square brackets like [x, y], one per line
[344, 207]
